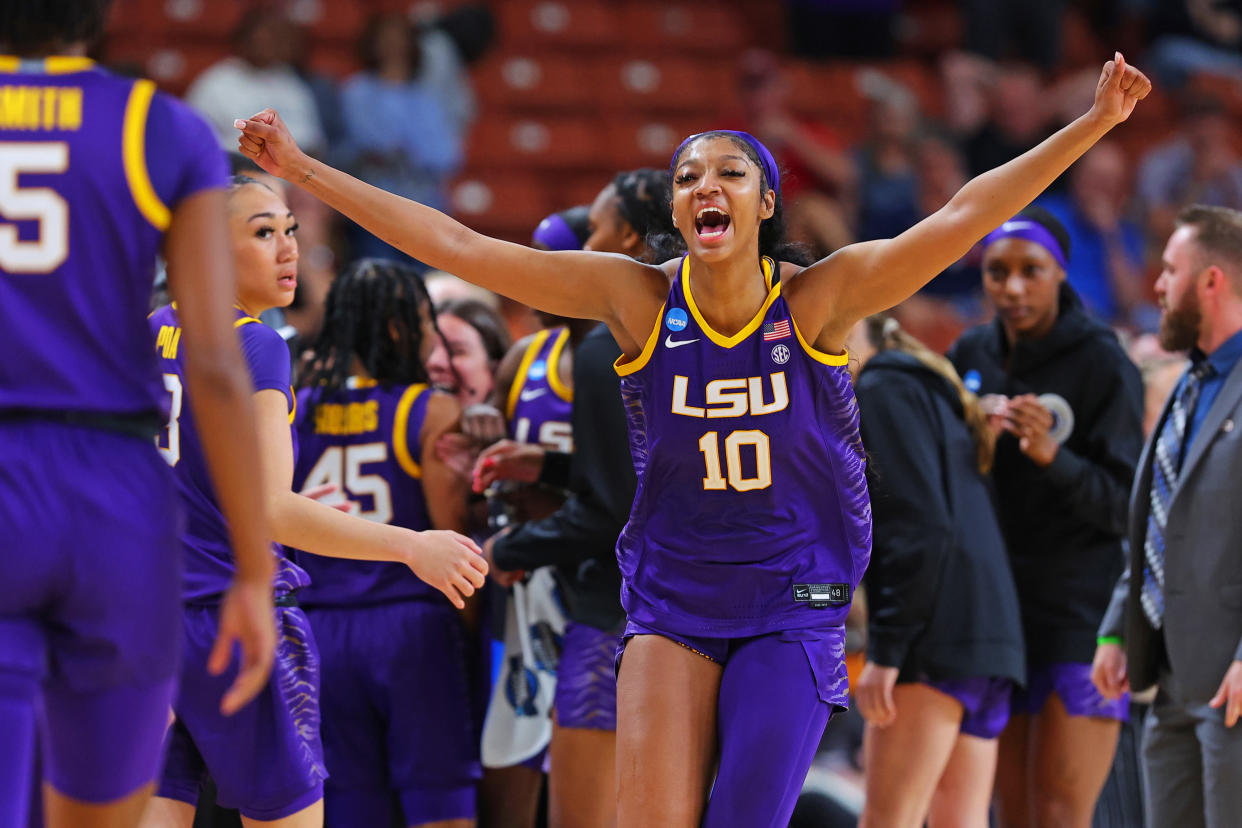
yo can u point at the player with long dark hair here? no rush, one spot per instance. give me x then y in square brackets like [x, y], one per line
[367, 424]
[751, 526]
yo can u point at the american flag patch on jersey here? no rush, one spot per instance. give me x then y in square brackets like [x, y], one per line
[779, 329]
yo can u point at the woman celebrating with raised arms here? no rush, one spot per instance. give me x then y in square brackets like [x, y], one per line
[751, 526]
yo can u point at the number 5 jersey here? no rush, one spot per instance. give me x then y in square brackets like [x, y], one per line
[91, 167]
[752, 514]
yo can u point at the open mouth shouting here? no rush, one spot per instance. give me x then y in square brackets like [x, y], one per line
[711, 223]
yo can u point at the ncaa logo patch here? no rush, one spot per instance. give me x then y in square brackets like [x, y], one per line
[972, 381]
[538, 370]
[1062, 416]
[780, 354]
[676, 320]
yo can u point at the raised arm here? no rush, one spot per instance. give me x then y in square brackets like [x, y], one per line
[578, 284]
[872, 276]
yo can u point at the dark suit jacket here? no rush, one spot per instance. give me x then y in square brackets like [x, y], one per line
[1203, 559]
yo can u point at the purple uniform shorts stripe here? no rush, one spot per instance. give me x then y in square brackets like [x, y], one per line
[586, 681]
[1072, 683]
[266, 759]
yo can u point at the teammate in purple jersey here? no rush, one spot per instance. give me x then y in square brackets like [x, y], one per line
[743, 617]
[395, 655]
[101, 174]
[266, 760]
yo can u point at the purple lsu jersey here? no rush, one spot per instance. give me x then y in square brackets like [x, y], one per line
[752, 513]
[539, 404]
[365, 438]
[91, 165]
[209, 564]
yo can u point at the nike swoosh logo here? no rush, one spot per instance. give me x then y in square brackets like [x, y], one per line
[669, 342]
[527, 396]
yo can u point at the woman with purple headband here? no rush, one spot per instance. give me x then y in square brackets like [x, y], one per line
[1069, 405]
[751, 526]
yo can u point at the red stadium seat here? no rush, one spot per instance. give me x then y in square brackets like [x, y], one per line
[829, 93]
[711, 26]
[678, 85]
[550, 143]
[501, 203]
[649, 141]
[335, 20]
[173, 66]
[558, 23]
[198, 18]
[525, 81]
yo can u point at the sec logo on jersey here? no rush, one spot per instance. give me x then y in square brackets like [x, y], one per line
[780, 354]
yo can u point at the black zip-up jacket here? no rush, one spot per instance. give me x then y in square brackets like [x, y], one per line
[940, 596]
[580, 538]
[1063, 524]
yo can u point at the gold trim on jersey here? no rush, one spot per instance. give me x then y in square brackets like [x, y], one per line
[54, 65]
[134, 152]
[246, 320]
[519, 379]
[819, 356]
[554, 373]
[623, 368]
[400, 427]
[774, 290]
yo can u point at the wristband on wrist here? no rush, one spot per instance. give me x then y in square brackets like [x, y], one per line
[1108, 639]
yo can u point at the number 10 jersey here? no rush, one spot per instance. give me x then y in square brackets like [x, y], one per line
[751, 514]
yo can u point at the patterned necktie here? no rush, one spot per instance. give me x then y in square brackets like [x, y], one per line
[1166, 469]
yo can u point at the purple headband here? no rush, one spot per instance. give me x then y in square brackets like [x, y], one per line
[1032, 231]
[555, 233]
[766, 161]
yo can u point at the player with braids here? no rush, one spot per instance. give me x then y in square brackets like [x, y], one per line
[368, 422]
[751, 527]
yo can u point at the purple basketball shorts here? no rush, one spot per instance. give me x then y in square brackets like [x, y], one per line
[266, 759]
[398, 717]
[777, 693]
[985, 703]
[90, 595]
[586, 679]
[1072, 683]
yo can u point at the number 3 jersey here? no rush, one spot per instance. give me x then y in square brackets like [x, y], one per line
[539, 407]
[91, 167]
[365, 438]
[209, 562]
[751, 514]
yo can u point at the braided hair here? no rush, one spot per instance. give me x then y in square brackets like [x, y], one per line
[772, 241]
[643, 197]
[374, 312]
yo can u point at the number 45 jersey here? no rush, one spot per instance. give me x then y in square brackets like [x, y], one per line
[365, 439]
[91, 166]
[752, 514]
